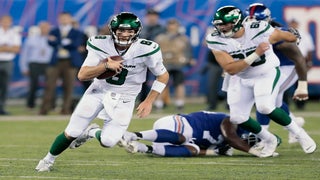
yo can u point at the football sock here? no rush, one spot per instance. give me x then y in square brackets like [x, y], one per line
[60, 144]
[251, 125]
[98, 135]
[280, 116]
[265, 127]
[149, 135]
[92, 132]
[293, 128]
[264, 134]
[167, 136]
[50, 158]
[176, 151]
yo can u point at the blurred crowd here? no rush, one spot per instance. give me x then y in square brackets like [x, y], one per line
[53, 55]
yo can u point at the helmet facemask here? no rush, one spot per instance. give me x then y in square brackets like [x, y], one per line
[225, 15]
[125, 21]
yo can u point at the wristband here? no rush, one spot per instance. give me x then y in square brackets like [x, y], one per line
[158, 86]
[302, 88]
[251, 58]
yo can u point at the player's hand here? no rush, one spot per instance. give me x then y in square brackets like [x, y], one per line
[144, 109]
[263, 47]
[296, 33]
[300, 96]
[301, 93]
[115, 65]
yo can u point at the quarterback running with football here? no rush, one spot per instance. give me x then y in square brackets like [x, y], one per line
[244, 51]
[194, 134]
[113, 98]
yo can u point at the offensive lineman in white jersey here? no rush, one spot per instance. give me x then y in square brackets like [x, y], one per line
[245, 52]
[113, 99]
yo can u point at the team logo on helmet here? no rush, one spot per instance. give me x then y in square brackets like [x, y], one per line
[259, 12]
[228, 14]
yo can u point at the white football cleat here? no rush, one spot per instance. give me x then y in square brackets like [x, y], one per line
[269, 148]
[84, 137]
[135, 146]
[307, 143]
[44, 166]
[122, 143]
[127, 138]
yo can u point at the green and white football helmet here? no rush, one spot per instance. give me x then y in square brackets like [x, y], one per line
[225, 15]
[125, 20]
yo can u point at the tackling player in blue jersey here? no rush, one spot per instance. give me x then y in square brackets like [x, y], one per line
[187, 135]
[292, 66]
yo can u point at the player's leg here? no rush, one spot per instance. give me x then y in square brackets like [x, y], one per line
[186, 150]
[266, 91]
[289, 76]
[240, 100]
[166, 129]
[119, 112]
[86, 110]
[164, 149]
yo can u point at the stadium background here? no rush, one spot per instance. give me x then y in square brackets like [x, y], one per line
[194, 15]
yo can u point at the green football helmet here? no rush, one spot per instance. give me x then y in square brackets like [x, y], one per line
[125, 20]
[228, 14]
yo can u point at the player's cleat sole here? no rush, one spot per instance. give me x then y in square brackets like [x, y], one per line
[44, 166]
[84, 137]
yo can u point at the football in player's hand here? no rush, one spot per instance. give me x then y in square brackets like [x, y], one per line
[109, 73]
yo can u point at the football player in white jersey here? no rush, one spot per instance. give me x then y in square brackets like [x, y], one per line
[244, 51]
[113, 99]
[292, 67]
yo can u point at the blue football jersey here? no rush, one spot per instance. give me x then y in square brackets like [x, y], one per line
[206, 127]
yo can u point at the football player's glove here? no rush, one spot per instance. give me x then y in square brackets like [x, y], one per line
[296, 33]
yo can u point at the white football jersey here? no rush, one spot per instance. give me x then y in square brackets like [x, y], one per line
[141, 55]
[239, 48]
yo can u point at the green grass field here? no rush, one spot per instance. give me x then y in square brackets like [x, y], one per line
[26, 138]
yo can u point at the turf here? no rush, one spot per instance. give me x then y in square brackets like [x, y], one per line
[24, 142]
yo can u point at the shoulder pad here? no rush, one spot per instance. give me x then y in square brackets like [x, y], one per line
[146, 47]
[215, 33]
